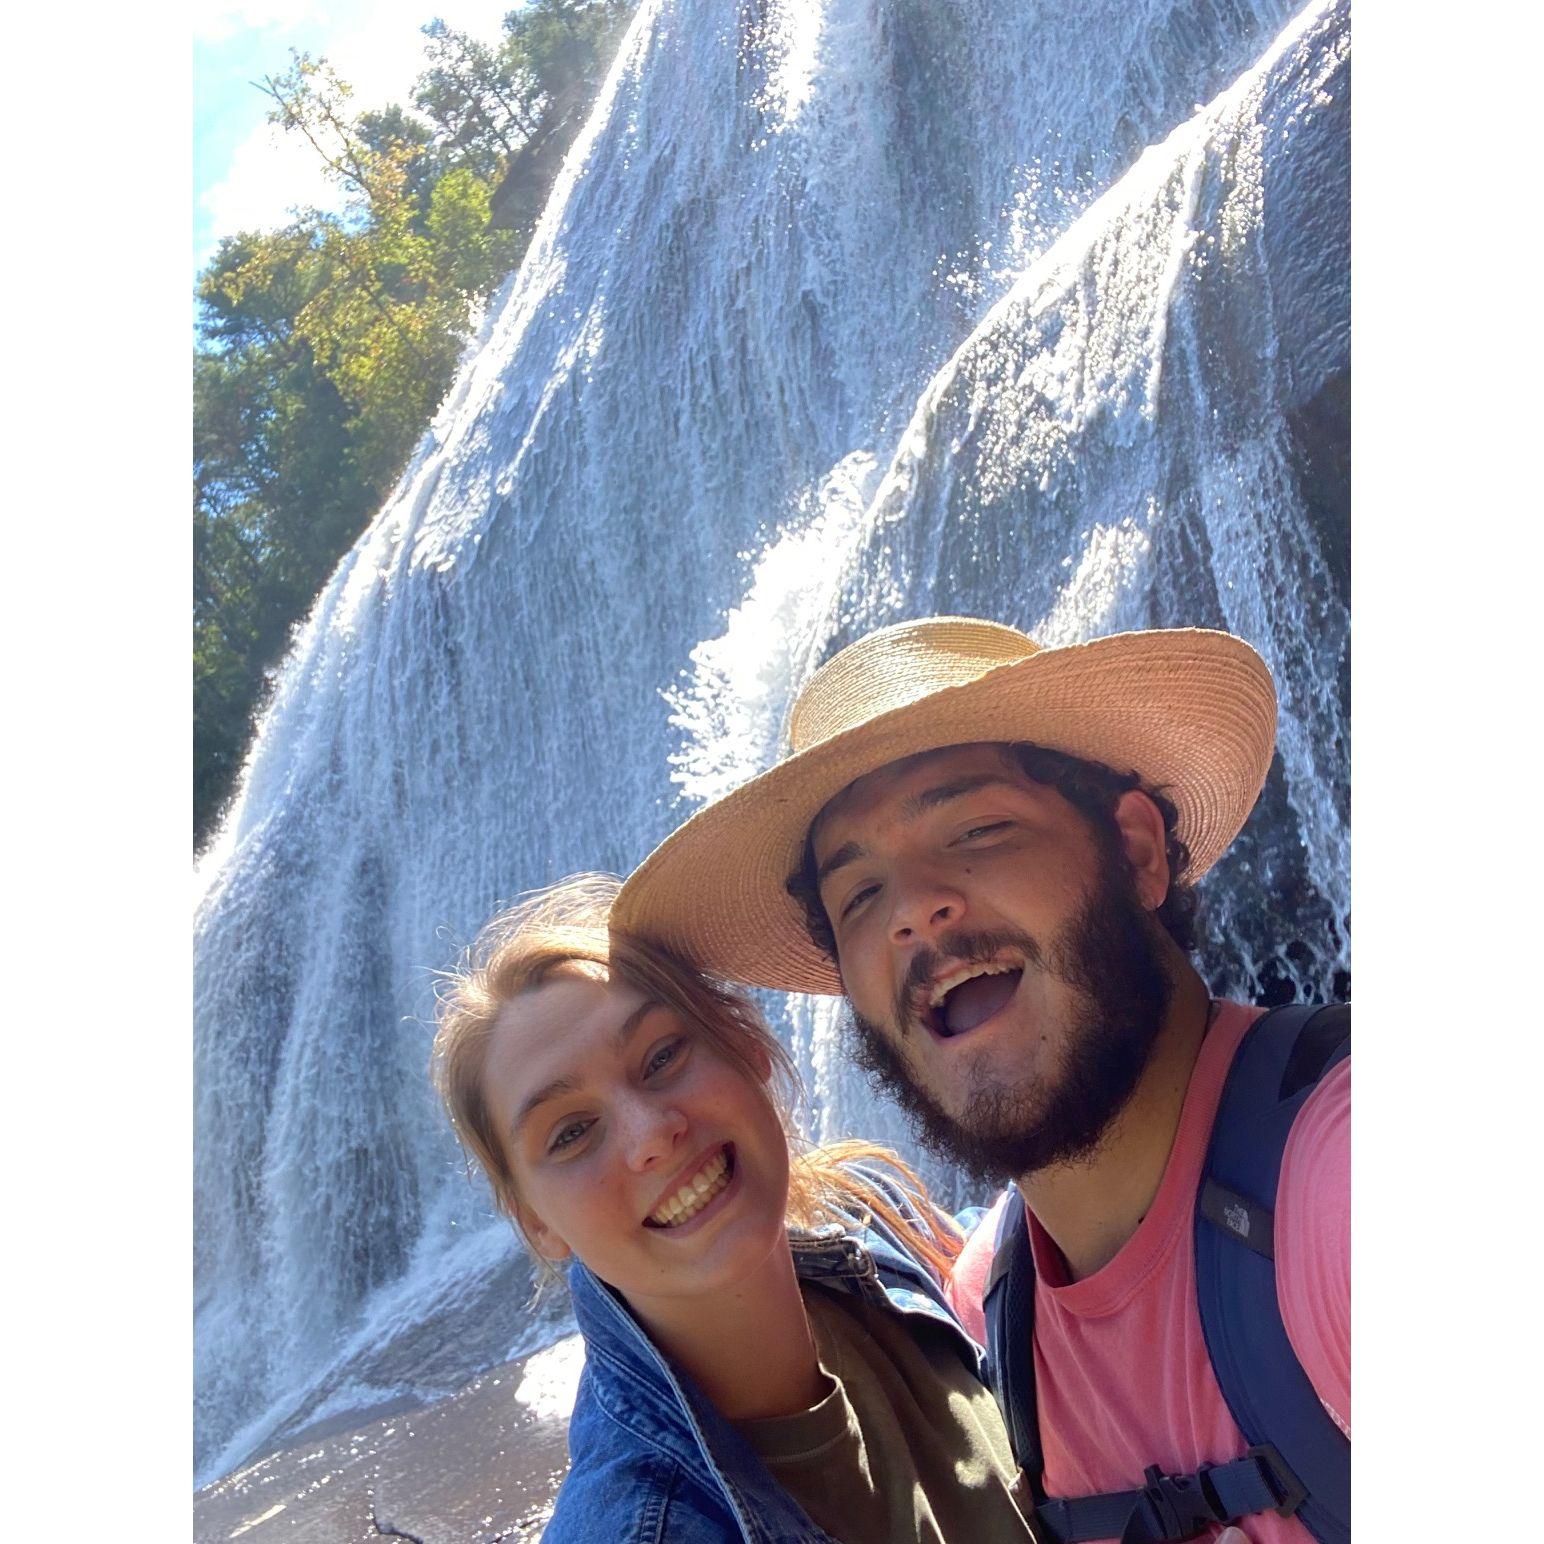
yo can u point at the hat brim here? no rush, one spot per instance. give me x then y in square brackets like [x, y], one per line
[1191, 710]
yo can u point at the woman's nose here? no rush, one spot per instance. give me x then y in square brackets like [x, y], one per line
[653, 1132]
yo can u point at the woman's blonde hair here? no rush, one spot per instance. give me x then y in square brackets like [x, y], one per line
[567, 924]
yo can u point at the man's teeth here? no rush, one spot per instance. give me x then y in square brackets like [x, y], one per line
[695, 1194]
[946, 984]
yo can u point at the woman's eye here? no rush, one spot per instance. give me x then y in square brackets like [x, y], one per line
[663, 1057]
[857, 900]
[566, 1136]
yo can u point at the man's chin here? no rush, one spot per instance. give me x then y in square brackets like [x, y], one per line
[983, 1148]
[1002, 1129]
[1003, 1134]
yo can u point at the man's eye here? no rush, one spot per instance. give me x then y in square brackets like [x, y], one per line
[990, 829]
[857, 900]
[567, 1135]
[663, 1057]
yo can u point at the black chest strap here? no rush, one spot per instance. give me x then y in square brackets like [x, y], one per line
[1174, 1506]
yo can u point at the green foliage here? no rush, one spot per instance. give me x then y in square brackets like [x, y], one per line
[481, 102]
[568, 42]
[324, 348]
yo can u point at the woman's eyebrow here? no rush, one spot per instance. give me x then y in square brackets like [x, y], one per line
[548, 1091]
[568, 1082]
[625, 1030]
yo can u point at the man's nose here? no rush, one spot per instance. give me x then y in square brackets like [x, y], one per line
[924, 904]
[652, 1129]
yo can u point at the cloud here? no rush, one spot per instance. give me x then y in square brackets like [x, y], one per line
[377, 48]
[271, 173]
[381, 52]
[216, 23]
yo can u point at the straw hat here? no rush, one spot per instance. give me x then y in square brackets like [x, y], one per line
[1191, 710]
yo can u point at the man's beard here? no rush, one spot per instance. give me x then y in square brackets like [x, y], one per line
[1109, 954]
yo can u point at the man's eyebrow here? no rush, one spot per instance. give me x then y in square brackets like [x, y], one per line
[568, 1083]
[943, 793]
[843, 854]
[915, 805]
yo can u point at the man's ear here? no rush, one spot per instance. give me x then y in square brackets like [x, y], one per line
[539, 1236]
[1145, 844]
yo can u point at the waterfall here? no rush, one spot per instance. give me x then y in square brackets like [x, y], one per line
[842, 311]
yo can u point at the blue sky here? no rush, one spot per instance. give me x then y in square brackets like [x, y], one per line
[247, 175]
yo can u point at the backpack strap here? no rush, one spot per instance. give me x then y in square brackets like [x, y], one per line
[1168, 1507]
[1234, 1212]
[1008, 1305]
[1278, 1065]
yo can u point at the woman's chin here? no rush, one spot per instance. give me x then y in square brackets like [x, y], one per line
[726, 1254]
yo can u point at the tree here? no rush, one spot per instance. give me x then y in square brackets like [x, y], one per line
[406, 262]
[277, 495]
[484, 103]
[324, 348]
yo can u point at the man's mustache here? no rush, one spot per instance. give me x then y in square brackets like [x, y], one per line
[957, 948]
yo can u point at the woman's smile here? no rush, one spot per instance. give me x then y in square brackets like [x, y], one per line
[704, 1182]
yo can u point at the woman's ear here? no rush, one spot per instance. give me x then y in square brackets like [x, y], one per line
[539, 1236]
[1145, 844]
[761, 1061]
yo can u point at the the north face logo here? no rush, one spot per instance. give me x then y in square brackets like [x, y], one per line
[1237, 1218]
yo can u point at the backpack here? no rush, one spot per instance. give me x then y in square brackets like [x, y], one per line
[1299, 1460]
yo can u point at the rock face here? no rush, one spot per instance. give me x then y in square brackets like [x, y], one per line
[483, 1465]
[839, 313]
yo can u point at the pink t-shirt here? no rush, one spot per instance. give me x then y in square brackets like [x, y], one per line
[1123, 1378]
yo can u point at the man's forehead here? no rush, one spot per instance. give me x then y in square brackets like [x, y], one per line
[901, 777]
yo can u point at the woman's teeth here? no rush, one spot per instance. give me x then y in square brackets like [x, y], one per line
[695, 1194]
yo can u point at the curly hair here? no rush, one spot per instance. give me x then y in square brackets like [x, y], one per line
[1094, 790]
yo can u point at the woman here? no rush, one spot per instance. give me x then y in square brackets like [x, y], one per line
[768, 1351]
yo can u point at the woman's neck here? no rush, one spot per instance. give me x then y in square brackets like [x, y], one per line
[749, 1349]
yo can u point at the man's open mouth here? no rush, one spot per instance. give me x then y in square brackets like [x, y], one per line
[966, 996]
[696, 1191]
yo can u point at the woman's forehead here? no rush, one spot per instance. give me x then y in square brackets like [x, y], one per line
[556, 1032]
[571, 1002]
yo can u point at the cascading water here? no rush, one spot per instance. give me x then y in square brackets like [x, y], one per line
[842, 311]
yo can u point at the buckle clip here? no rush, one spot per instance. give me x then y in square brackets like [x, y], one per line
[1290, 1491]
[1174, 1506]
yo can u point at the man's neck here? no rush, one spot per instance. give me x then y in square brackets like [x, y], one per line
[748, 1347]
[1091, 1208]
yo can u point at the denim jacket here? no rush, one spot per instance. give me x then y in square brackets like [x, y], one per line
[653, 1462]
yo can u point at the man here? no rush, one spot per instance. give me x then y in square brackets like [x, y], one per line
[989, 847]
